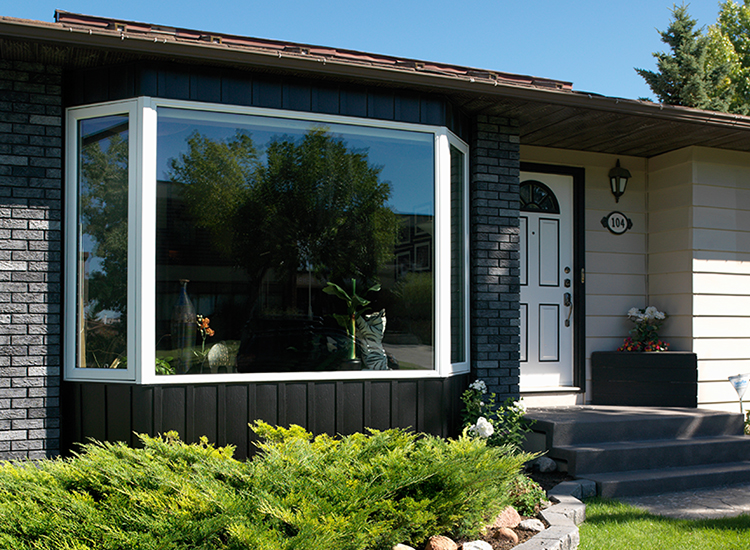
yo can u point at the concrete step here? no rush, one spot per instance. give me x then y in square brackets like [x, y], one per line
[649, 482]
[564, 426]
[621, 456]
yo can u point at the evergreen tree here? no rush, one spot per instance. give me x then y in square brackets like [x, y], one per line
[686, 76]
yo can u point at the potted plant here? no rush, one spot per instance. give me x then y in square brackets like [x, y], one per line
[356, 305]
[642, 372]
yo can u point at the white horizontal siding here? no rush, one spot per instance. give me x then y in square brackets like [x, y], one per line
[721, 370]
[718, 393]
[616, 265]
[734, 306]
[688, 254]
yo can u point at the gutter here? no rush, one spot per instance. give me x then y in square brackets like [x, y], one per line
[405, 74]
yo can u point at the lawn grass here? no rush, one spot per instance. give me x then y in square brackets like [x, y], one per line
[614, 525]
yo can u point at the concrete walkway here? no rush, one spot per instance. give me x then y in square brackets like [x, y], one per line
[718, 502]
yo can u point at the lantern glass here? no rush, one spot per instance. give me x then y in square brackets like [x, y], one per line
[618, 180]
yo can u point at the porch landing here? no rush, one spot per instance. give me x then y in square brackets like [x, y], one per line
[633, 451]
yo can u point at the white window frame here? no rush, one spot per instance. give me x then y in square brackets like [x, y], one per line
[142, 165]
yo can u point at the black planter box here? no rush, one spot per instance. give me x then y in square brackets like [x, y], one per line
[644, 379]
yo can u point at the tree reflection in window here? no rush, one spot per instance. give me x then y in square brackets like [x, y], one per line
[537, 197]
[291, 214]
[310, 204]
[103, 242]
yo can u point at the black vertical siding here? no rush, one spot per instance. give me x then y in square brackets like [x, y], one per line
[175, 81]
[297, 97]
[222, 412]
[174, 408]
[206, 87]
[379, 404]
[93, 424]
[236, 91]
[142, 413]
[237, 417]
[119, 414]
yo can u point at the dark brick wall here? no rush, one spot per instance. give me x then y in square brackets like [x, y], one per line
[30, 262]
[495, 254]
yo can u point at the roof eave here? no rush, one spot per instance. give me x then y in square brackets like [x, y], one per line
[314, 65]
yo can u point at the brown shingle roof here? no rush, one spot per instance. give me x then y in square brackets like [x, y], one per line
[160, 33]
[549, 112]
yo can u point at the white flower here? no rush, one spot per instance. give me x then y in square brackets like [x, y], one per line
[481, 403]
[650, 312]
[659, 315]
[633, 312]
[520, 405]
[483, 428]
[479, 385]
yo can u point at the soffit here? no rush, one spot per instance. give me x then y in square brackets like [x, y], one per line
[550, 113]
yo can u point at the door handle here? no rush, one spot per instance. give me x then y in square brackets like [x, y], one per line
[567, 302]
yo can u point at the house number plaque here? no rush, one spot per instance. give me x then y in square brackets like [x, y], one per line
[617, 222]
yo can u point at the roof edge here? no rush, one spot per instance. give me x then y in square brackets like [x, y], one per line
[160, 41]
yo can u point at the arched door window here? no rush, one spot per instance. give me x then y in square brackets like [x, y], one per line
[537, 197]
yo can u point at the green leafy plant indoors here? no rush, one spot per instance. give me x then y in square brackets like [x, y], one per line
[356, 305]
[163, 365]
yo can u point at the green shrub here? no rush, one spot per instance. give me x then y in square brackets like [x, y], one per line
[166, 495]
[509, 425]
[526, 495]
[351, 493]
[373, 491]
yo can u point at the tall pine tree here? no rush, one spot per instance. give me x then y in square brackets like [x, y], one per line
[685, 76]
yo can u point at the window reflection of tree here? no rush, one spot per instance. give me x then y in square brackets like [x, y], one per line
[103, 210]
[306, 211]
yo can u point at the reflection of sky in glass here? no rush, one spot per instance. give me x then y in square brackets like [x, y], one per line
[406, 158]
[97, 131]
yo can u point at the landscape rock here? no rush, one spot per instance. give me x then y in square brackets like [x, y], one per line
[476, 545]
[402, 547]
[507, 518]
[532, 524]
[508, 534]
[545, 464]
[439, 542]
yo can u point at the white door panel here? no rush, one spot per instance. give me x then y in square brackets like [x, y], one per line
[546, 255]
[549, 247]
[524, 254]
[549, 332]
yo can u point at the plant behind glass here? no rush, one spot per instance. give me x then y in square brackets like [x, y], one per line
[356, 305]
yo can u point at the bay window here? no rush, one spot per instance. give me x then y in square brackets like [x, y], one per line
[210, 242]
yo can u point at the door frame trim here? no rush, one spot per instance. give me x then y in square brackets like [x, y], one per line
[579, 261]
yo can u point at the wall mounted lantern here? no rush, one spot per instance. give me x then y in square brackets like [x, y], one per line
[618, 180]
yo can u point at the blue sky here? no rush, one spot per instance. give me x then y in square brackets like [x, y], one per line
[594, 44]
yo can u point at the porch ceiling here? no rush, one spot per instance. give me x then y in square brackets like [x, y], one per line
[550, 113]
[641, 133]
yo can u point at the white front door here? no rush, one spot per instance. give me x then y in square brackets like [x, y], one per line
[546, 231]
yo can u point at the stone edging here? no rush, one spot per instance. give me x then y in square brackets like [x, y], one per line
[563, 517]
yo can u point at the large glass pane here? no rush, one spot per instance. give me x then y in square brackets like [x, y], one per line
[102, 242]
[458, 258]
[272, 232]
